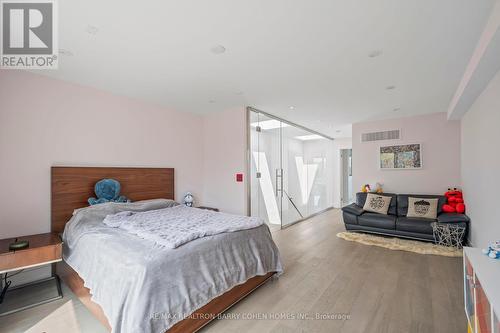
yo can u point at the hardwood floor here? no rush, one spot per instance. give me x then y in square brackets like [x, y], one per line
[378, 289]
[381, 290]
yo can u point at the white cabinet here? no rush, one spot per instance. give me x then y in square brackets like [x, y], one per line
[481, 291]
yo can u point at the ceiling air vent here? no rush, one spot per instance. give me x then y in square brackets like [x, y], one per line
[378, 136]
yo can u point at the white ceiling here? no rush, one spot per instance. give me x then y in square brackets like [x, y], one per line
[310, 54]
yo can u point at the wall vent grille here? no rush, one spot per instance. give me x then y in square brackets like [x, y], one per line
[379, 136]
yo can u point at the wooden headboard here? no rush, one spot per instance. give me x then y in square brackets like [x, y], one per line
[72, 186]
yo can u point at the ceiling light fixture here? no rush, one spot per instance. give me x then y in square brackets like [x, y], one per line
[292, 107]
[218, 49]
[211, 101]
[375, 53]
[390, 87]
[338, 131]
[396, 109]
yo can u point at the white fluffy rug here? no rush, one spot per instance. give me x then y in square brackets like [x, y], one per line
[394, 243]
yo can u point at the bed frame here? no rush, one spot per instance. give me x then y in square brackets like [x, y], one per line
[72, 186]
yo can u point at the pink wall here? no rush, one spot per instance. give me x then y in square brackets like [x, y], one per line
[440, 141]
[45, 122]
[224, 149]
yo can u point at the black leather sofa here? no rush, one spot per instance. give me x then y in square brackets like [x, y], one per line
[396, 223]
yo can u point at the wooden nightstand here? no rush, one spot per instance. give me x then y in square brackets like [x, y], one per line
[44, 249]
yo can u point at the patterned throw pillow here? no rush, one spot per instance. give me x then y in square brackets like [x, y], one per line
[377, 203]
[422, 208]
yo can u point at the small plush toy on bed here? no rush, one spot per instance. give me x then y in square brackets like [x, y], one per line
[107, 190]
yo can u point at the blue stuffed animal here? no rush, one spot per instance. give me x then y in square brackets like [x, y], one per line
[107, 190]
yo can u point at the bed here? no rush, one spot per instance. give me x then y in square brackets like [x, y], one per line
[157, 289]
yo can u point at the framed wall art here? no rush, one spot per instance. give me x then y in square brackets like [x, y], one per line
[400, 157]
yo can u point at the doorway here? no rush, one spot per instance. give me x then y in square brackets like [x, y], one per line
[346, 196]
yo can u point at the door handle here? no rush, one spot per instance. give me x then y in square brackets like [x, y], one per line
[276, 181]
[279, 181]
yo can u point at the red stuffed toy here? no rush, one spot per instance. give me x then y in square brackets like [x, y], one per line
[455, 201]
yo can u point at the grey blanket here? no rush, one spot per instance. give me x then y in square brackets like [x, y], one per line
[144, 287]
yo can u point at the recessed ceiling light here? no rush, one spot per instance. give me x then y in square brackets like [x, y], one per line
[65, 52]
[292, 107]
[211, 101]
[218, 49]
[396, 109]
[390, 87]
[91, 29]
[375, 53]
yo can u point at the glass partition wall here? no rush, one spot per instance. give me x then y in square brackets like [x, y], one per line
[291, 170]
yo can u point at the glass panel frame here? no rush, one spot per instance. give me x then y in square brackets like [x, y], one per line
[302, 180]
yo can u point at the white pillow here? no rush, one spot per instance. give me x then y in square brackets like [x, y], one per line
[422, 208]
[377, 203]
